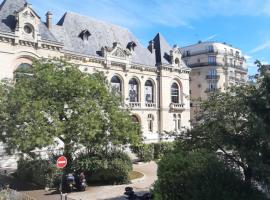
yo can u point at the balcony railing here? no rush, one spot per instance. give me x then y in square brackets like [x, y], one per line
[135, 104]
[177, 106]
[195, 53]
[212, 77]
[212, 90]
[150, 105]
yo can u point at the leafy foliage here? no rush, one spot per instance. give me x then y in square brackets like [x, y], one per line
[236, 123]
[57, 100]
[200, 175]
[113, 168]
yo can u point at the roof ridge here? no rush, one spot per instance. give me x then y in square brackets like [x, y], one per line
[61, 21]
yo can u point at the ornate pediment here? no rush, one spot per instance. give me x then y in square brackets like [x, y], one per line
[116, 51]
[119, 53]
[27, 24]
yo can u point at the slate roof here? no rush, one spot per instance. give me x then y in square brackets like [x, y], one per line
[8, 20]
[102, 33]
[68, 29]
[162, 49]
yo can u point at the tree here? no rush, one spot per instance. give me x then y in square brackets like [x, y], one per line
[56, 100]
[236, 123]
[200, 175]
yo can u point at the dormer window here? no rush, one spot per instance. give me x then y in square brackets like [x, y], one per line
[84, 35]
[131, 45]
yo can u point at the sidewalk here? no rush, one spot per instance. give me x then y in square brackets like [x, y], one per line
[116, 192]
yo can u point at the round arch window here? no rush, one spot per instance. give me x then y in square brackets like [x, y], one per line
[116, 84]
[27, 29]
[135, 119]
[133, 90]
[149, 91]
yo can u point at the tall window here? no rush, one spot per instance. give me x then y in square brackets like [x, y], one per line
[149, 92]
[177, 122]
[133, 90]
[116, 84]
[150, 120]
[212, 72]
[212, 85]
[175, 93]
[210, 48]
[211, 59]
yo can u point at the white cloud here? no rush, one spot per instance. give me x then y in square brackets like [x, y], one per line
[171, 13]
[210, 38]
[261, 47]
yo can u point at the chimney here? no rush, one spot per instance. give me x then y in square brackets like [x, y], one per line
[49, 19]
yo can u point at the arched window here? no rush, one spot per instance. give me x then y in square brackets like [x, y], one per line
[24, 69]
[175, 93]
[149, 92]
[135, 119]
[133, 90]
[116, 85]
[150, 120]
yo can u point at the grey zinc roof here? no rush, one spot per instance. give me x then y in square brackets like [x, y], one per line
[162, 49]
[103, 34]
[8, 21]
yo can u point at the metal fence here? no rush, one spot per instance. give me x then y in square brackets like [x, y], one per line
[10, 194]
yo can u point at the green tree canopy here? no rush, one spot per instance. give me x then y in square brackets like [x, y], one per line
[236, 123]
[200, 175]
[57, 100]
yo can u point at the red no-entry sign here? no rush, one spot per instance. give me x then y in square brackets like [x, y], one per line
[61, 162]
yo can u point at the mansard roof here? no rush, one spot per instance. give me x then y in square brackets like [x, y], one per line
[103, 34]
[162, 49]
[8, 19]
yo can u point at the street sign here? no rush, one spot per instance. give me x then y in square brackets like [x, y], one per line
[61, 162]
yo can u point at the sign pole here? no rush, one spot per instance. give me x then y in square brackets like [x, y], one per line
[61, 163]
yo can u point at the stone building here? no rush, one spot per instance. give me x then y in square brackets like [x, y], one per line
[153, 80]
[215, 67]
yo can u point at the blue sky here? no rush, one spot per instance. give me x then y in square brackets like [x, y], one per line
[243, 23]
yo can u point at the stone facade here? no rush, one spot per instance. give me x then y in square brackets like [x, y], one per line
[143, 76]
[215, 67]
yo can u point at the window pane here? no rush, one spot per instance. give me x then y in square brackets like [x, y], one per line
[175, 93]
[133, 90]
[116, 84]
[148, 90]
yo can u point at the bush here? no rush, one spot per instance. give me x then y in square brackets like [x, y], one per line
[113, 168]
[148, 152]
[162, 148]
[200, 175]
[38, 171]
[145, 152]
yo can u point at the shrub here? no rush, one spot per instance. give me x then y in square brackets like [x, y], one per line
[162, 148]
[113, 168]
[200, 175]
[148, 152]
[145, 152]
[38, 171]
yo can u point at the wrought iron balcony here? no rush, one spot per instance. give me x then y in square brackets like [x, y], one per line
[177, 106]
[195, 53]
[212, 77]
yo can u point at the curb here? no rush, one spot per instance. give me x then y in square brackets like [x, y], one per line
[138, 179]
